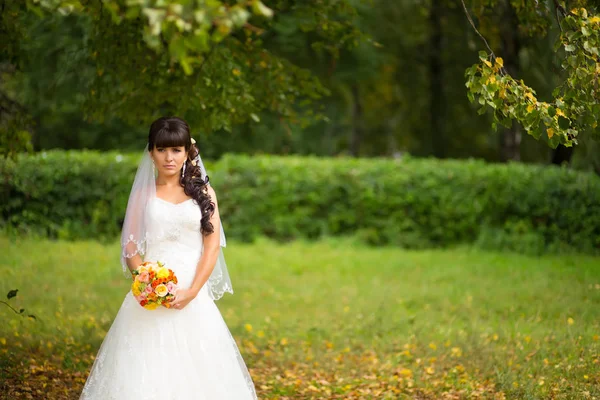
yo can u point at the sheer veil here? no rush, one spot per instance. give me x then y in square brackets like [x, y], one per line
[136, 234]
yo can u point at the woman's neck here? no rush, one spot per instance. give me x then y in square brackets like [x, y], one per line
[162, 180]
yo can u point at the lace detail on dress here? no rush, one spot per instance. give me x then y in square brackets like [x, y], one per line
[218, 284]
[248, 379]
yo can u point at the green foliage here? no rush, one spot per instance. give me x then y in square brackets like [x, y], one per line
[186, 28]
[409, 202]
[511, 99]
[209, 62]
[95, 76]
[66, 194]
[575, 106]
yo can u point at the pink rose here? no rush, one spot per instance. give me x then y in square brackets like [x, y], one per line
[140, 298]
[144, 277]
[149, 289]
[171, 287]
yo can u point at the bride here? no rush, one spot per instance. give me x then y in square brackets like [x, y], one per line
[184, 352]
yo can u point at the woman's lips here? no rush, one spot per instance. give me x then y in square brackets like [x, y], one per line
[169, 166]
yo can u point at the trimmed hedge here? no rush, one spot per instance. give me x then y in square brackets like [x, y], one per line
[410, 202]
[66, 194]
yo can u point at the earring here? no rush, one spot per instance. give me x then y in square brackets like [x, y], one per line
[183, 170]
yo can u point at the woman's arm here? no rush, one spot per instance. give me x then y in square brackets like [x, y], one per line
[134, 262]
[131, 226]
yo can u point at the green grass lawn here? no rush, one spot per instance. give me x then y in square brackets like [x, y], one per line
[331, 319]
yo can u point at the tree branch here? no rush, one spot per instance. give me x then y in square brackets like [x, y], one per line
[556, 14]
[560, 8]
[253, 28]
[11, 307]
[502, 70]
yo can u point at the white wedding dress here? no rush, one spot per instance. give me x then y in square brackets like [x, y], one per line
[168, 354]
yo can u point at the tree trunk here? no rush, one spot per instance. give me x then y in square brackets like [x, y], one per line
[357, 131]
[330, 147]
[392, 147]
[510, 139]
[510, 145]
[437, 109]
[562, 155]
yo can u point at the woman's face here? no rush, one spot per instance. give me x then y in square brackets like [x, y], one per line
[168, 160]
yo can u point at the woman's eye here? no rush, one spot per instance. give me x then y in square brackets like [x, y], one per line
[177, 150]
[160, 150]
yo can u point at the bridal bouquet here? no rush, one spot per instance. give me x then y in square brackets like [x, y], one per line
[154, 285]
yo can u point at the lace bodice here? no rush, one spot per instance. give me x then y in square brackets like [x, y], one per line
[169, 223]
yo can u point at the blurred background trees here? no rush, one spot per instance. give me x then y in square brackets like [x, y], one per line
[365, 78]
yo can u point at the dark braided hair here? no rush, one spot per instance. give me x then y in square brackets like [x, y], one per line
[175, 132]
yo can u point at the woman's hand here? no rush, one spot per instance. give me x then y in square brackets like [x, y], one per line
[182, 298]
